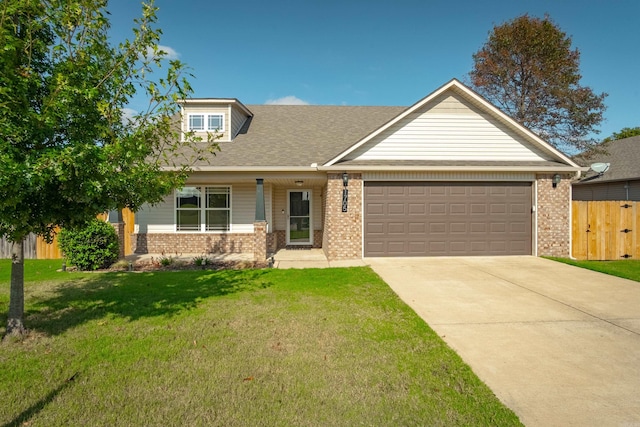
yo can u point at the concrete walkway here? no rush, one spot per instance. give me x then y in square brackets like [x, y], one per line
[309, 258]
[557, 344]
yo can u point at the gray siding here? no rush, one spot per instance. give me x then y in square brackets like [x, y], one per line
[237, 120]
[607, 191]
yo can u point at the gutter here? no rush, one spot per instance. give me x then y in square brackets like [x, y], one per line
[337, 168]
[550, 169]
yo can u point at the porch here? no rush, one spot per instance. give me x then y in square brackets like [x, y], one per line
[283, 258]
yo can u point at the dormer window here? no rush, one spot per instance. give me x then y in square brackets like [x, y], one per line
[214, 122]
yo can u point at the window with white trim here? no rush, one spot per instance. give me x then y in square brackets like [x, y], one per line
[206, 122]
[196, 122]
[203, 208]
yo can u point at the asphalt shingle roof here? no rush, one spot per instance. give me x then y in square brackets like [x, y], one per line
[299, 135]
[624, 156]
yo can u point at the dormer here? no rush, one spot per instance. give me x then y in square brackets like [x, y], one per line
[224, 116]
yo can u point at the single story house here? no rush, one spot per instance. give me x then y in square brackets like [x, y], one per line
[449, 175]
[621, 181]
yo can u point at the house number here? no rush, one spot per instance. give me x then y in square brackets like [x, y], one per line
[345, 200]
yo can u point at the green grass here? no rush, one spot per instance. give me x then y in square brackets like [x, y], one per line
[232, 348]
[628, 269]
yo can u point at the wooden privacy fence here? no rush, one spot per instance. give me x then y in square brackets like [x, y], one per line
[30, 247]
[605, 230]
[44, 250]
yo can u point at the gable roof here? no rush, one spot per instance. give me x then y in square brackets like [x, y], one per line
[321, 137]
[624, 157]
[552, 156]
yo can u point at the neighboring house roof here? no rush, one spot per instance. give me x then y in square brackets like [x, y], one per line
[623, 156]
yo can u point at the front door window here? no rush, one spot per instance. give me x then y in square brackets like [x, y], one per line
[299, 226]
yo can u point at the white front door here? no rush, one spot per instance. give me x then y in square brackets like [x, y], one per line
[299, 225]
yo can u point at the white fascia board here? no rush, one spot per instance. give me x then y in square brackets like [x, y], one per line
[539, 169]
[245, 168]
[216, 101]
[454, 83]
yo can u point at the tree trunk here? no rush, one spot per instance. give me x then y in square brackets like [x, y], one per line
[15, 325]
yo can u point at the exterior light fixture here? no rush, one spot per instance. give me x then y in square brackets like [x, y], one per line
[556, 180]
[299, 183]
[345, 179]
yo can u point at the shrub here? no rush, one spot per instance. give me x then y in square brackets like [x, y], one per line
[90, 247]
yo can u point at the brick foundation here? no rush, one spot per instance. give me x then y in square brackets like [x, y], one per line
[119, 227]
[259, 241]
[554, 220]
[342, 237]
[171, 243]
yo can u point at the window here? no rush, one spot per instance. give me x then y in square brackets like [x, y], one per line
[212, 215]
[196, 122]
[188, 209]
[214, 122]
[218, 209]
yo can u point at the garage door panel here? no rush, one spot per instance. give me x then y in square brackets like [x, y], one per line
[458, 209]
[478, 228]
[397, 247]
[417, 208]
[374, 228]
[478, 208]
[396, 228]
[417, 247]
[437, 228]
[374, 209]
[417, 228]
[458, 228]
[396, 209]
[498, 208]
[437, 208]
[430, 219]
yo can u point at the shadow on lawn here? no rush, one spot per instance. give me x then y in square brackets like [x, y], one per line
[135, 296]
[22, 419]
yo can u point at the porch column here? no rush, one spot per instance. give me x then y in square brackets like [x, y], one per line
[119, 227]
[260, 216]
[260, 224]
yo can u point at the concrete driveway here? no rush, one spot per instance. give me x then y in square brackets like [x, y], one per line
[557, 344]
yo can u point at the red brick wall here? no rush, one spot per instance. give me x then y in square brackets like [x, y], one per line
[554, 216]
[192, 243]
[342, 236]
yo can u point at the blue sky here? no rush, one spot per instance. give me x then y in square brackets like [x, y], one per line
[370, 52]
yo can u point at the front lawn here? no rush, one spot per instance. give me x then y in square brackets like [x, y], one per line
[230, 348]
[628, 269]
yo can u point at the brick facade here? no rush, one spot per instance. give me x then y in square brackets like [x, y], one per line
[554, 216]
[342, 237]
[192, 243]
[119, 227]
[260, 240]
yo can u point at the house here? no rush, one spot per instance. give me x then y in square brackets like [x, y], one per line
[621, 181]
[449, 175]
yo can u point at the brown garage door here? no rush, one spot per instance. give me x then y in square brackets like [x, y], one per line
[433, 219]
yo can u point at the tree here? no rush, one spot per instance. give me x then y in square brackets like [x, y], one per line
[528, 68]
[67, 150]
[624, 133]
